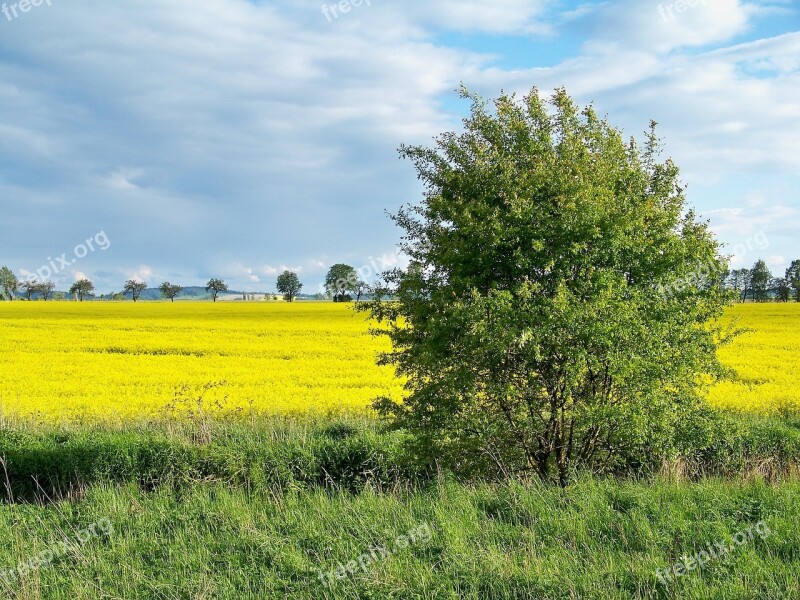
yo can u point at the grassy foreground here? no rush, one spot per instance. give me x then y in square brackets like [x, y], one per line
[596, 539]
[332, 509]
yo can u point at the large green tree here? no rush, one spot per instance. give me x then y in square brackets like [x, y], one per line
[9, 283]
[529, 324]
[289, 285]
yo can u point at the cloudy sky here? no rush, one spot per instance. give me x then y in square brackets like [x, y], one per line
[234, 139]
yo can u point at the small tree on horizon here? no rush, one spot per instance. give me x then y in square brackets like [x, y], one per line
[46, 289]
[793, 279]
[289, 285]
[134, 288]
[29, 288]
[739, 283]
[215, 287]
[760, 280]
[340, 280]
[81, 289]
[782, 289]
[170, 291]
[9, 283]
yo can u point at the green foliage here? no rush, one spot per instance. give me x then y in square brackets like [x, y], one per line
[215, 287]
[340, 280]
[793, 278]
[739, 283]
[289, 285]
[9, 283]
[81, 288]
[783, 290]
[170, 291]
[277, 453]
[760, 279]
[556, 313]
[134, 288]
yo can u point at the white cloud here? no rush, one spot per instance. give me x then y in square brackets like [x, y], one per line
[141, 273]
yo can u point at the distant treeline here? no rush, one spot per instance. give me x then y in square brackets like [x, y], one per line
[342, 284]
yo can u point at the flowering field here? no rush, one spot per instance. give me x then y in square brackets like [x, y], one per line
[69, 361]
[766, 360]
[94, 361]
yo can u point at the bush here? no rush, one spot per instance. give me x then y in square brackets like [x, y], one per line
[552, 317]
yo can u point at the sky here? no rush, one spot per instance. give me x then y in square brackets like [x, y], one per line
[177, 140]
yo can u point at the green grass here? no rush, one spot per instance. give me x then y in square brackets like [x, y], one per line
[258, 509]
[596, 539]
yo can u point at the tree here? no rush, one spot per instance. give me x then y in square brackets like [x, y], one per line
[215, 286]
[528, 324]
[760, 279]
[362, 288]
[170, 291]
[81, 288]
[9, 283]
[739, 283]
[46, 288]
[289, 285]
[793, 279]
[29, 288]
[134, 288]
[782, 290]
[340, 280]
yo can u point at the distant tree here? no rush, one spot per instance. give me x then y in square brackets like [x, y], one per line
[46, 288]
[81, 289]
[134, 288]
[340, 280]
[215, 287]
[760, 279]
[9, 283]
[739, 283]
[782, 290]
[793, 279]
[170, 291]
[29, 288]
[361, 288]
[289, 285]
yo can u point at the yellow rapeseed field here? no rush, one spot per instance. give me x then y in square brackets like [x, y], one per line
[70, 361]
[94, 361]
[766, 359]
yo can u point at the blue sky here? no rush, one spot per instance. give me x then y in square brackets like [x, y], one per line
[235, 139]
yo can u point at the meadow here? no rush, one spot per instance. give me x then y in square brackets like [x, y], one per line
[230, 452]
